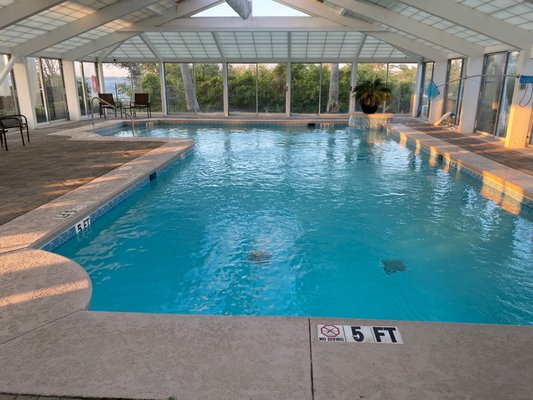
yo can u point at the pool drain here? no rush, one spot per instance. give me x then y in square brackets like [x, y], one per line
[259, 256]
[392, 266]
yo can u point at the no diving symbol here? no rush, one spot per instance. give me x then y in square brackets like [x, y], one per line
[330, 331]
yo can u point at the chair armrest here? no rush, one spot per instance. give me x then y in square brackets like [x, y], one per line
[15, 117]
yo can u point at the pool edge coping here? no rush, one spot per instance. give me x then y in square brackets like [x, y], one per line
[513, 186]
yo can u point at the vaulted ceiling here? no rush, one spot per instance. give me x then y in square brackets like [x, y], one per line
[331, 31]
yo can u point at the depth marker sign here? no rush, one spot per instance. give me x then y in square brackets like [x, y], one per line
[359, 334]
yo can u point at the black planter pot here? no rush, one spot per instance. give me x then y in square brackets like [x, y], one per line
[369, 109]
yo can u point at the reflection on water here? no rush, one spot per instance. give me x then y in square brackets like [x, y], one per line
[337, 222]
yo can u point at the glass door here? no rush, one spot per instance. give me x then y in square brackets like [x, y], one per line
[48, 91]
[427, 77]
[496, 93]
[454, 88]
[8, 95]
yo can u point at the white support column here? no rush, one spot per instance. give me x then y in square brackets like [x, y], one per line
[439, 77]
[418, 90]
[100, 68]
[474, 66]
[225, 84]
[24, 92]
[288, 90]
[518, 128]
[71, 91]
[162, 73]
[353, 83]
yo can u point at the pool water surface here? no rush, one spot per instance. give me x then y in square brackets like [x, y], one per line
[310, 222]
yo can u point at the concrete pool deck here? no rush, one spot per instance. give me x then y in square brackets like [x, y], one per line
[50, 345]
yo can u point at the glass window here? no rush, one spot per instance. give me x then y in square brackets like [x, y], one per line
[35, 83]
[47, 88]
[507, 94]
[209, 87]
[496, 93]
[401, 79]
[117, 80]
[54, 89]
[305, 91]
[205, 91]
[242, 87]
[147, 79]
[176, 101]
[427, 77]
[454, 89]
[91, 87]
[87, 85]
[78, 71]
[123, 80]
[8, 97]
[271, 88]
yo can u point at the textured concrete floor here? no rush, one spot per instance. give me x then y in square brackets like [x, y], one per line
[50, 166]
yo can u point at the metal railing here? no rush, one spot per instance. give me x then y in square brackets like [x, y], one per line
[122, 111]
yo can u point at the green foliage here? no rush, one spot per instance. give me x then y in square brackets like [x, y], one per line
[209, 87]
[152, 86]
[305, 88]
[372, 91]
[241, 87]
[271, 86]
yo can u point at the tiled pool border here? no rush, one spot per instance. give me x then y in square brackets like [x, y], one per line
[451, 155]
[109, 205]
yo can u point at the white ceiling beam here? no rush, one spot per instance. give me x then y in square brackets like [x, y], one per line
[408, 46]
[104, 54]
[219, 47]
[7, 69]
[475, 20]
[97, 45]
[236, 24]
[84, 24]
[151, 47]
[313, 7]
[184, 9]
[262, 60]
[23, 9]
[408, 25]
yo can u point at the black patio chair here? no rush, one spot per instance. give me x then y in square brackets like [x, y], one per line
[141, 102]
[107, 103]
[13, 121]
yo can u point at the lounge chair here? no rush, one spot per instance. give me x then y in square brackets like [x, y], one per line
[141, 102]
[107, 103]
[13, 121]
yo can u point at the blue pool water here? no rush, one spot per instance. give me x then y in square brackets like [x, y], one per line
[310, 222]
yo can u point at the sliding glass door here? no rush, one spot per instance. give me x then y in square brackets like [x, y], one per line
[454, 88]
[48, 90]
[496, 93]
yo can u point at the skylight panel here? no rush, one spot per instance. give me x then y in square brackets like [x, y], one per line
[260, 8]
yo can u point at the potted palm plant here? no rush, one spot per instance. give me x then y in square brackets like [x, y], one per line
[370, 92]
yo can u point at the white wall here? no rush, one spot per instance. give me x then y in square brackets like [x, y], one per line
[521, 113]
[474, 66]
[71, 91]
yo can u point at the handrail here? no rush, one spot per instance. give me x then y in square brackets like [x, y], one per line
[114, 107]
